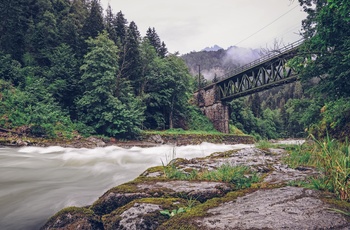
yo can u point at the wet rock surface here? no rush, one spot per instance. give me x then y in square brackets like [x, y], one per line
[281, 208]
[270, 204]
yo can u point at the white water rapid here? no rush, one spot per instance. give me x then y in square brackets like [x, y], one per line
[37, 182]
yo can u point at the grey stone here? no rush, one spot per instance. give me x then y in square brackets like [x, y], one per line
[135, 217]
[282, 208]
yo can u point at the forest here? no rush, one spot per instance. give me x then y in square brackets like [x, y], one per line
[69, 67]
[66, 66]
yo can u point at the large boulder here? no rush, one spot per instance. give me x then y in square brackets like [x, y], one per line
[74, 218]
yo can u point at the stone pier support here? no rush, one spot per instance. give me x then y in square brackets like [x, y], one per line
[208, 101]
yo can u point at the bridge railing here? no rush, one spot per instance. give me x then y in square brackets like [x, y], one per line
[261, 60]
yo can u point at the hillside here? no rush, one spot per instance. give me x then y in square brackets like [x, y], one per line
[217, 61]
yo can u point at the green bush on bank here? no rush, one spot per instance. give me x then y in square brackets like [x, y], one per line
[332, 159]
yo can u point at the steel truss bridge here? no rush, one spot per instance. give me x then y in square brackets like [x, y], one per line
[264, 73]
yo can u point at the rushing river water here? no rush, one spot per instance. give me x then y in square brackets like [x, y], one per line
[37, 182]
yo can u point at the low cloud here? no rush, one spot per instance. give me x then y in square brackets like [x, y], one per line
[240, 56]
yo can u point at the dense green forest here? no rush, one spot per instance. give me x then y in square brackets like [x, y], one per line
[69, 67]
[66, 66]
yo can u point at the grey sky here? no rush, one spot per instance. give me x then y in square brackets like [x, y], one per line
[188, 25]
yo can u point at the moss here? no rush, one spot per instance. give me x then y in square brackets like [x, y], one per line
[74, 210]
[185, 220]
[111, 221]
[225, 154]
[71, 214]
[153, 170]
[125, 193]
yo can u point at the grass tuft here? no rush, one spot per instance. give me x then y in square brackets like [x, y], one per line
[329, 157]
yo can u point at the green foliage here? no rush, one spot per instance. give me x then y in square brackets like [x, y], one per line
[234, 130]
[328, 46]
[94, 22]
[98, 107]
[167, 92]
[155, 41]
[334, 117]
[34, 108]
[173, 212]
[299, 157]
[10, 70]
[240, 176]
[263, 144]
[63, 76]
[197, 121]
[332, 159]
[63, 70]
[268, 125]
[301, 114]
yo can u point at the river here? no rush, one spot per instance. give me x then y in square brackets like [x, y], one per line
[37, 182]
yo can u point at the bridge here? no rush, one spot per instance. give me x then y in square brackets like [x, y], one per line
[264, 73]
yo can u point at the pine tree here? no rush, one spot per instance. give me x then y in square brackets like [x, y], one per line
[120, 26]
[14, 22]
[109, 24]
[63, 77]
[133, 57]
[94, 22]
[155, 41]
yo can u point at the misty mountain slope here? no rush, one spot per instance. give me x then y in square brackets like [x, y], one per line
[220, 61]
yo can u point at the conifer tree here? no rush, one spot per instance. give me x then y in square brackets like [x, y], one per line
[109, 24]
[120, 25]
[133, 57]
[155, 41]
[13, 26]
[94, 22]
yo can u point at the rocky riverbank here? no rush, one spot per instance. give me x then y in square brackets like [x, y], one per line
[153, 201]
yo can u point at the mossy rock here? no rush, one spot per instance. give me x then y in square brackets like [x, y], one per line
[275, 208]
[142, 213]
[186, 220]
[72, 218]
[140, 188]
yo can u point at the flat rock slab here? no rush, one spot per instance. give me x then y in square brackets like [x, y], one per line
[201, 190]
[282, 208]
[283, 174]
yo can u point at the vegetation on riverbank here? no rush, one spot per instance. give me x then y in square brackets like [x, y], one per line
[240, 176]
[330, 157]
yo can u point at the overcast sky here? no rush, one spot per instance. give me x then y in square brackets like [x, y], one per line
[191, 25]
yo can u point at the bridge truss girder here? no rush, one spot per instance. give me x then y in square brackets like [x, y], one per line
[259, 78]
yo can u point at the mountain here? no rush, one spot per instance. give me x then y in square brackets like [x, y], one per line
[215, 61]
[213, 48]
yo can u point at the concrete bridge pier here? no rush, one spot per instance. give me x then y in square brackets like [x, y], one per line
[209, 102]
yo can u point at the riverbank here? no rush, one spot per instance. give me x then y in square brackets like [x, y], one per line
[144, 140]
[178, 196]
